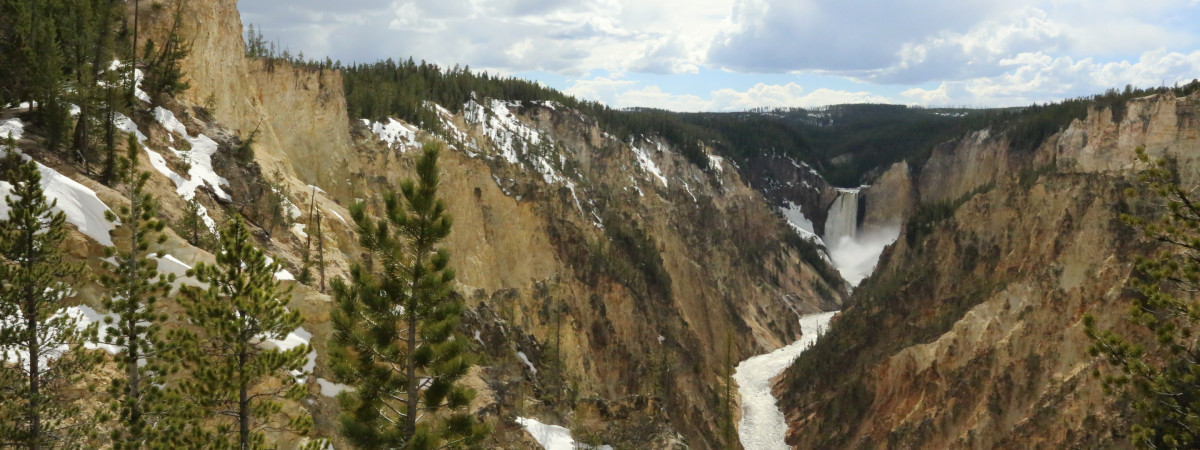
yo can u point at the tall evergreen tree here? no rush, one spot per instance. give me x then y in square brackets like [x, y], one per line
[42, 359]
[45, 60]
[1161, 378]
[164, 65]
[394, 327]
[134, 286]
[232, 376]
[191, 222]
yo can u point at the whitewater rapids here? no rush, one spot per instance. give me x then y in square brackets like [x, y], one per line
[762, 426]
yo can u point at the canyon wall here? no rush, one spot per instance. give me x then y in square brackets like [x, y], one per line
[626, 276]
[970, 335]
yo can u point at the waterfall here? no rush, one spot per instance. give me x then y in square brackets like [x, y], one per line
[854, 254]
[842, 220]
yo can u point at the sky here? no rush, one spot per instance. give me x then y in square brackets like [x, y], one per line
[733, 55]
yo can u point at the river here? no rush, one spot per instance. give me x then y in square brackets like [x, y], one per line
[762, 426]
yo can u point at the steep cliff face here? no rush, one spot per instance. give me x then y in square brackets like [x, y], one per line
[971, 335]
[298, 117]
[625, 277]
[791, 184]
[889, 199]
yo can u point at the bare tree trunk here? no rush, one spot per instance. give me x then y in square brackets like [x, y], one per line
[321, 253]
[35, 353]
[243, 407]
[410, 421]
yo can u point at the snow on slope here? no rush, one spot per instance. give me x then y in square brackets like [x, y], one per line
[554, 437]
[137, 80]
[447, 121]
[525, 359]
[514, 140]
[799, 222]
[762, 426]
[647, 164]
[331, 389]
[82, 316]
[199, 158]
[396, 134]
[294, 339]
[79, 203]
[502, 127]
[11, 128]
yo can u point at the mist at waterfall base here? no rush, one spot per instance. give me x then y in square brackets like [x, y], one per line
[856, 256]
[854, 252]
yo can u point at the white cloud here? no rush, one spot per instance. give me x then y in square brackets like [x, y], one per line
[787, 35]
[789, 95]
[977, 52]
[1037, 77]
[626, 93]
[570, 37]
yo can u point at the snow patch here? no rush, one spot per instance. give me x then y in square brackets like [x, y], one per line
[294, 339]
[554, 437]
[13, 128]
[170, 265]
[199, 158]
[84, 316]
[339, 216]
[138, 76]
[647, 164]
[397, 135]
[298, 230]
[762, 426]
[282, 274]
[689, 191]
[160, 164]
[502, 127]
[715, 161]
[447, 121]
[126, 124]
[799, 222]
[525, 359]
[167, 119]
[79, 204]
[331, 389]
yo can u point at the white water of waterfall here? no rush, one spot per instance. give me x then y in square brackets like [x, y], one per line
[842, 221]
[852, 251]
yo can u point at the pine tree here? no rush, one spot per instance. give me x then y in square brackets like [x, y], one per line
[394, 327]
[320, 254]
[231, 375]
[140, 403]
[164, 67]
[192, 222]
[40, 343]
[306, 262]
[1160, 379]
[45, 60]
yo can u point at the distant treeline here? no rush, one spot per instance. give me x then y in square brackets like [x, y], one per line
[846, 143]
[400, 89]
